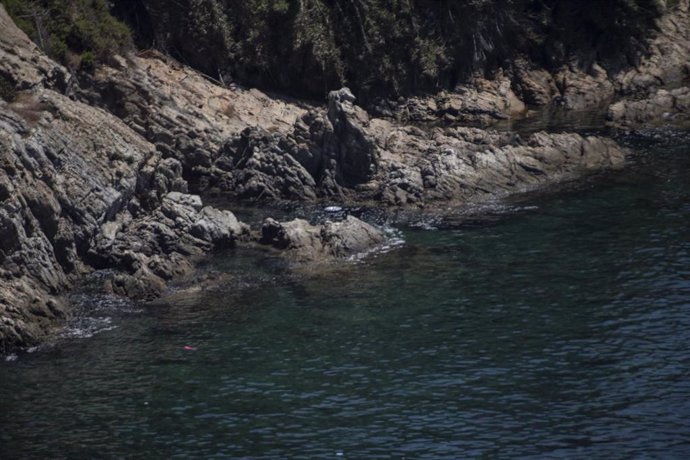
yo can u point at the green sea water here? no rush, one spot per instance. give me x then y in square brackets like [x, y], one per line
[556, 327]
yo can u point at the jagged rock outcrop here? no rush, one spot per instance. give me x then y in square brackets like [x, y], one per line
[534, 85]
[469, 164]
[185, 115]
[662, 106]
[667, 60]
[79, 190]
[573, 85]
[353, 150]
[480, 102]
[324, 153]
[584, 90]
[648, 91]
[303, 242]
[406, 165]
[258, 165]
[156, 247]
[66, 168]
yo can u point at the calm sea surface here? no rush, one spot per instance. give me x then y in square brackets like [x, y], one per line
[556, 328]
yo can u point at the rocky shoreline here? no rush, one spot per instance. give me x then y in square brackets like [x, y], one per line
[111, 171]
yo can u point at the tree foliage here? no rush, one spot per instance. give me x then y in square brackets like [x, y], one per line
[392, 47]
[307, 47]
[78, 33]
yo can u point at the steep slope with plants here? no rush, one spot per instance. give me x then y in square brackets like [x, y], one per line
[389, 47]
[78, 33]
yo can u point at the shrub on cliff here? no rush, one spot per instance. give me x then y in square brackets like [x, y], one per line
[77, 33]
[387, 47]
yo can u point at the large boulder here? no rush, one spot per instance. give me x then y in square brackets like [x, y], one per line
[153, 249]
[301, 241]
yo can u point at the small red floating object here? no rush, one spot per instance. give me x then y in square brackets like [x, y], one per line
[189, 348]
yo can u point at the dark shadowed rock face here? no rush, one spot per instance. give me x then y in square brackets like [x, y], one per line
[259, 165]
[354, 150]
[378, 48]
[323, 154]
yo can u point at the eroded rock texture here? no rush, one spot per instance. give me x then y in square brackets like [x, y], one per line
[79, 189]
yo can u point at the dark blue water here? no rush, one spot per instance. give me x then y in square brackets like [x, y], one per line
[561, 329]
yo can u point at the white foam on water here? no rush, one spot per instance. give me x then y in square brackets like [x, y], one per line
[427, 224]
[86, 327]
[106, 303]
[393, 241]
[526, 208]
[12, 357]
[95, 312]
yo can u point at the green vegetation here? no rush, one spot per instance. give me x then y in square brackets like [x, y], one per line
[78, 33]
[377, 47]
[387, 47]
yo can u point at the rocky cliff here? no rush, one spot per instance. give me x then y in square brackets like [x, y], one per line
[85, 188]
[109, 170]
[81, 190]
